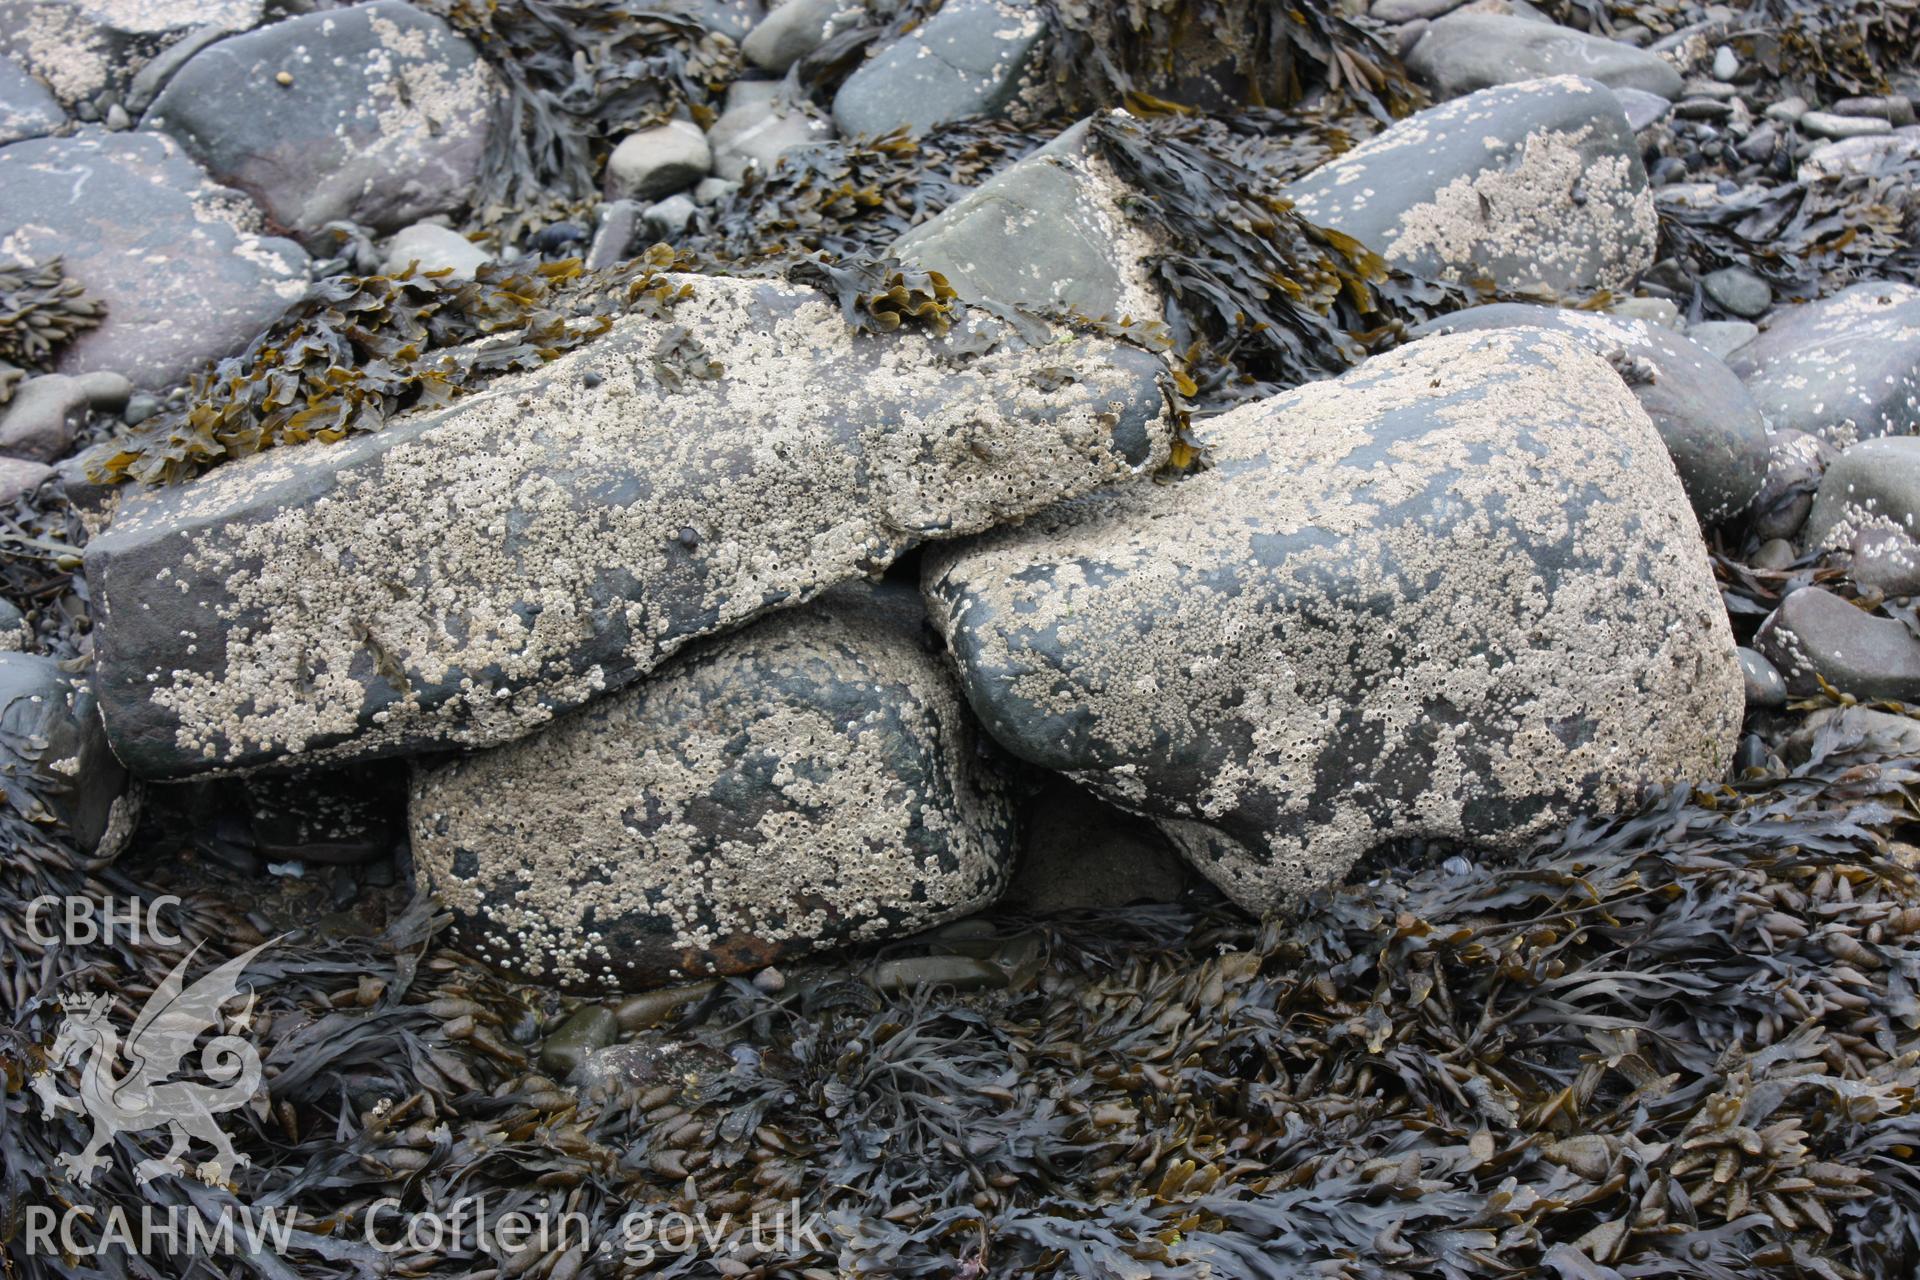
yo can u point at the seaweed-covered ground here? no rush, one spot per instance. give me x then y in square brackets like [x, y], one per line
[1683, 1042]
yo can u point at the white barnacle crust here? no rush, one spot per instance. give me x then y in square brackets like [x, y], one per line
[1456, 593]
[461, 576]
[810, 781]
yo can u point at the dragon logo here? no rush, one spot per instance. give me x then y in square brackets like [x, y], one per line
[175, 1016]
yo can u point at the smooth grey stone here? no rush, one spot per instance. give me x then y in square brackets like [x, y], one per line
[1046, 234]
[106, 390]
[55, 756]
[1080, 853]
[141, 405]
[758, 127]
[1463, 52]
[796, 29]
[667, 219]
[1528, 188]
[523, 551]
[1711, 427]
[43, 417]
[1815, 635]
[1726, 63]
[1795, 463]
[178, 261]
[960, 973]
[1774, 554]
[1844, 368]
[1409, 10]
[1455, 594]
[431, 247]
[966, 60]
[27, 108]
[1644, 110]
[658, 161]
[1895, 109]
[1722, 337]
[1825, 124]
[713, 190]
[1765, 689]
[20, 475]
[613, 239]
[1787, 110]
[810, 781]
[588, 1028]
[1859, 156]
[84, 49]
[376, 113]
[1739, 291]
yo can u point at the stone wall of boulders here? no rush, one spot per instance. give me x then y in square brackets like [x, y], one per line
[742, 631]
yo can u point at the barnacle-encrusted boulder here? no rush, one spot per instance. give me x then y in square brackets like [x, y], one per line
[813, 780]
[459, 577]
[83, 47]
[966, 60]
[1533, 187]
[1845, 368]
[1456, 593]
[374, 112]
[1713, 429]
[1816, 637]
[1466, 51]
[1868, 505]
[179, 262]
[1046, 234]
[54, 762]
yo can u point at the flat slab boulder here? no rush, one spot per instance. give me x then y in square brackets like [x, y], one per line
[461, 576]
[1462, 52]
[179, 260]
[966, 60]
[1846, 368]
[813, 780]
[1712, 428]
[1047, 234]
[376, 113]
[1456, 593]
[1533, 188]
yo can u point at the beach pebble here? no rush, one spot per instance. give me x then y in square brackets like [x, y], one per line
[428, 246]
[658, 161]
[40, 421]
[1739, 290]
[758, 127]
[1816, 635]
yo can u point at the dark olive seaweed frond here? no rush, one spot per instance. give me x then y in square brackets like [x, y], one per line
[40, 310]
[579, 75]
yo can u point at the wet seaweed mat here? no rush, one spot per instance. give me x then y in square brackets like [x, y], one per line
[1682, 1044]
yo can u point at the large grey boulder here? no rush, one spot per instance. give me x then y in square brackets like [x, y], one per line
[1868, 505]
[1463, 52]
[1712, 429]
[1455, 593]
[179, 262]
[1046, 234]
[813, 780]
[81, 48]
[1844, 368]
[465, 574]
[54, 763]
[377, 113]
[1529, 188]
[1815, 637]
[966, 60]
[27, 109]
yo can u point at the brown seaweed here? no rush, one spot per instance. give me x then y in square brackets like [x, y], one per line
[40, 311]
